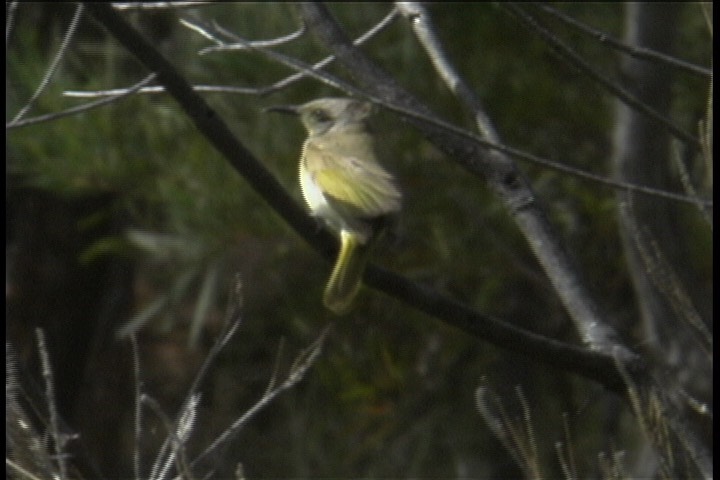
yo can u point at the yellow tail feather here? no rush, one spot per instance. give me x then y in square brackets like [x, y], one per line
[346, 276]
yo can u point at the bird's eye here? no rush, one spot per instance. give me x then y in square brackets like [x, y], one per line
[320, 115]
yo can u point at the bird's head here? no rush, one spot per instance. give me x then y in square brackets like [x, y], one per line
[329, 114]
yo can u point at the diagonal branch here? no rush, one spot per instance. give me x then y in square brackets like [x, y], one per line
[54, 65]
[213, 128]
[592, 365]
[512, 188]
[632, 50]
[49, 117]
[622, 94]
[500, 173]
[482, 121]
[420, 23]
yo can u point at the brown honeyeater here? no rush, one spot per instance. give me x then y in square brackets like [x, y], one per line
[343, 184]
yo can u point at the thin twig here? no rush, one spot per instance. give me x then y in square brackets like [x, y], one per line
[117, 95]
[24, 474]
[705, 128]
[527, 421]
[687, 183]
[26, 448]
[232, 323]
[158, 89]
[138, 405]
[423, 28]
[659, 416]
[255, 43]
[58, 441]
[623, 95]
[302, 363]
[666, 281]
[437, 122]
[262, 91]
[10, 22]
[53, 65]
[276, 367]
[176, 435]
[220, 343]
[493, 412]
[180, 434]
[633, 51]
[569, 442]
[159, 5]
[591, 364]
[204, 30]
[424, 31]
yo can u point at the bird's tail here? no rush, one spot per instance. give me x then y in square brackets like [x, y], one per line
[346, 276]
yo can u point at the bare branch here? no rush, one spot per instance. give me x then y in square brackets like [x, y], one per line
[302, 73]
[82, 108]
[276, 368]
[27, 452]
[616, 90]
[54, 424]
[666, 281]
[159, 5]
[176, 437]
[205, 31]
[178, 434]
[705, 128]
[590, 364]
[301, 364]
[255, 43]
[9, 21]
[632, 50]
[53, 67]
[565, 453]
[425, 32]
[517, 194]
[660, 419]
[484, 124]
[676, 158]
[22, 471]
[515, 434]
[160, 89]
[138, 405]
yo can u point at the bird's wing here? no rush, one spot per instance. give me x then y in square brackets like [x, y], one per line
[363, 187]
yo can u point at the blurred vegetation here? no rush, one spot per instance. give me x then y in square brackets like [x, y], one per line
[392, 394]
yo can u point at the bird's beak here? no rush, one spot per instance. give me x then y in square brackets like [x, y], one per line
[288, 109]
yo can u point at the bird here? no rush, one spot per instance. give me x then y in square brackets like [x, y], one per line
[344, 185]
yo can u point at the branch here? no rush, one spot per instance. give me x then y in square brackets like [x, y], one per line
[623, 95]
[302, 362]
[59, 440]
[261, 91]
[115, 96]
[501, 174]
[515, 191]
[214, 129]
[314, 71]
[632, 50]
[53, 65]
[420, 23]
[592, 365]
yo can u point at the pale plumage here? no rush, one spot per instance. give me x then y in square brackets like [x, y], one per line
[343, 184]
